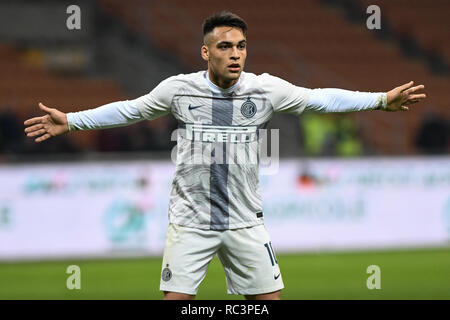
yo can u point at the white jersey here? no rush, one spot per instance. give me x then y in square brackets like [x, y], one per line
[216, 185]
[218, 193]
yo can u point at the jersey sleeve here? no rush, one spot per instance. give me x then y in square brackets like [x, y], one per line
[284, 96]
[153, 105]
[158, 102]
[115, 114]
[340, 100]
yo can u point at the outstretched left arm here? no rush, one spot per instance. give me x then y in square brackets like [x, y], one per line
[339, 100]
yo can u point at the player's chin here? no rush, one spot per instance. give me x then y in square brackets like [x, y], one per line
[233, 74]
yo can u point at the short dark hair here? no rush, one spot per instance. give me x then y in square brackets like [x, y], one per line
[223, 18]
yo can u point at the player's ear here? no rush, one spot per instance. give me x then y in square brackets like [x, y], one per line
[205, 52]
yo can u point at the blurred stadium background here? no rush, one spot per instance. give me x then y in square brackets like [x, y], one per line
[353, 190]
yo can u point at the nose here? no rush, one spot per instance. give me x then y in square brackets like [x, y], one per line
[235, 54]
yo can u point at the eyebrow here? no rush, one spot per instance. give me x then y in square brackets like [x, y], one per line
[228, 42]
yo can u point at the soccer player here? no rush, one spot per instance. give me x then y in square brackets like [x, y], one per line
[215, 205]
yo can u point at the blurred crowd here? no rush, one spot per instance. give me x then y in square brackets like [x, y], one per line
[129, 50]
[339, 135]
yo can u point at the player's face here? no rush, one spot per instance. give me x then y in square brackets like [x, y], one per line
[225, 50]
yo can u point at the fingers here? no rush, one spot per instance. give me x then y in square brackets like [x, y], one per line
[36, 133]
[406, 86]
[414, 89]
[409, 97]
[42, 138]
[417, 96]
[44, 108]
[36, 125]
[44, 135]
[414, 98]
[33, 121]
[34, 128]
[38, 119]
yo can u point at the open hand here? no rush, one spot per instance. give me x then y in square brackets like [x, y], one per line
[400, 97]
[54, 123]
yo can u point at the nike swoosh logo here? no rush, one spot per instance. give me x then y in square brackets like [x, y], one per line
[276, 277]
[194, 107]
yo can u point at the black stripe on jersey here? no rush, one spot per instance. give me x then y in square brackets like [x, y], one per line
[222, 115]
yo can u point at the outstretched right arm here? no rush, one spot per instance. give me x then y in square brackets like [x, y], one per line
[116, 114]
[55, 122]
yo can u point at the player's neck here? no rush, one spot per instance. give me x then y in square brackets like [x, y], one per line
[220, 82]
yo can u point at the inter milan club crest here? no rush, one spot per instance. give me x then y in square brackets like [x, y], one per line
[166, 273]
[248, 108]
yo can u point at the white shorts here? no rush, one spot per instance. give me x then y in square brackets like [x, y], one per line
[246, 254]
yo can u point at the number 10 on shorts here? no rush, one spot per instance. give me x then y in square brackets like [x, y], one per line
[271, 253]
